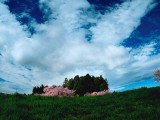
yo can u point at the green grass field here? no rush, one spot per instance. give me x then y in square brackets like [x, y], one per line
[140, 104]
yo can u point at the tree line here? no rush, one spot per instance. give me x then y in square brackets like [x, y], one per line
[86, 83]
[81, 84]
[38, 90]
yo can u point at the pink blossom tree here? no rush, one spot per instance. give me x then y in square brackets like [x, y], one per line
[157, 75]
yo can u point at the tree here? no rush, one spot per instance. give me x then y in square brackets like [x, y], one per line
[65, 83]
[89, 86]
[38, 90]
[157, 75]
[103, 85]
[34, 90]
[70, 84]
[41, 89]
[76, 82]
[86, 83]
[80, 90]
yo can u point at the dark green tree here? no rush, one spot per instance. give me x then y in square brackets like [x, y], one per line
[86, 84]
[89, 83]
[70, 84]
[76, 82]
[34, 90]
[65, 83]
[38, 90]
[104, 85]
[81, 87]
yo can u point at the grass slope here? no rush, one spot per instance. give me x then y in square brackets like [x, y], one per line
[140, 104]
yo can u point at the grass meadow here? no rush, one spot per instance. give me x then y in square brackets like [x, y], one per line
[139, 104]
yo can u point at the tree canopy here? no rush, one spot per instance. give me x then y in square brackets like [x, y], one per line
[86, 83]
[38, 90]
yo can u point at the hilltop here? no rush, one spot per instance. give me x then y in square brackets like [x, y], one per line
[78, 86]
[138, 104]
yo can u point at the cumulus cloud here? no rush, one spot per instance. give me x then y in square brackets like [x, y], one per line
[60, 49]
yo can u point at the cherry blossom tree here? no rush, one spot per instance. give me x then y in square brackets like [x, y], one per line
[157, 75]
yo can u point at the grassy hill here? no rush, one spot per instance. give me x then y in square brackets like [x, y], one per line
[140, 104]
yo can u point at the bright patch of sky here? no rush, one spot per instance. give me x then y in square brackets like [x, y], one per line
[139, 84]
[44, 41]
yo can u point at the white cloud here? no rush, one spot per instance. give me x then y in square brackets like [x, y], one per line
[117, 25]
[59, 49]
[10, 28]
[143, 53]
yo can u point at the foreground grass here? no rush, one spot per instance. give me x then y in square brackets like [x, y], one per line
[140, 104]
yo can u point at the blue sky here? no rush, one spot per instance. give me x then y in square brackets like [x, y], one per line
[44, 41]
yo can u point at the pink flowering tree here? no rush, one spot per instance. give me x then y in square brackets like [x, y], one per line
[157, 75]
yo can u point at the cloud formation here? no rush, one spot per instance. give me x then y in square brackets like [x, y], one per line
[60, 49]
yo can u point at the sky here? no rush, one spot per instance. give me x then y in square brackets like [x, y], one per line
[46, 41]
